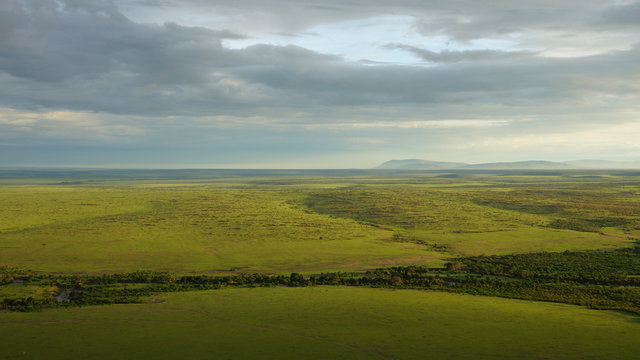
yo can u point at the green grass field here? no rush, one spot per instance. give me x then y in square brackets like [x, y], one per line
[322, 323]
[227, 222]
[284, 224]
[111, 230]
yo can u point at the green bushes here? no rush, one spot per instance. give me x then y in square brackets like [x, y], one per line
[599, 279]
[595, 266]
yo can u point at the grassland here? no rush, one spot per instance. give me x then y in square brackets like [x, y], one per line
[277, 222]
[322, 323]
[109, 230]
[303, 223]
[283, 221]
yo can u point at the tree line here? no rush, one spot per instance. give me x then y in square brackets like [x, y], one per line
[598, 279]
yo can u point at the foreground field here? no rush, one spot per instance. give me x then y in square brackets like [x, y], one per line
[321, 323]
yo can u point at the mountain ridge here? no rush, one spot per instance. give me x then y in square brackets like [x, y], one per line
[420, 164]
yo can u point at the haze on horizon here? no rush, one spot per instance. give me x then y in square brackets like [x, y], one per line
[316, 84]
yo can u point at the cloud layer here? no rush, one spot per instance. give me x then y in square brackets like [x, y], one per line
[160, 72]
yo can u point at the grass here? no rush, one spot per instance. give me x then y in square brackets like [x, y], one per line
[214, 222]
[472, 222]
[532, 239]
[185, 231]
[228, 221]
[322, 323]
[20, 290]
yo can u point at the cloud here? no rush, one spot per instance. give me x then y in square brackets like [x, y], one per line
[20, 127]
[159, 72]
[448, 56]
[608, 142]
[53, 42]
[460, 19]
[621, 15]
[415, 124]
[88, 56]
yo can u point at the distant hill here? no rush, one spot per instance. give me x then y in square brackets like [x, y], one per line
[418, 164]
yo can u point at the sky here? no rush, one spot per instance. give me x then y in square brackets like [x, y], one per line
[316, 83]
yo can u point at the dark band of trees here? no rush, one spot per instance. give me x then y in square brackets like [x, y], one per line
[598, 279]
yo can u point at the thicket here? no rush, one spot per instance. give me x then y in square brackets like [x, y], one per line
[594, 267]
[598, 279]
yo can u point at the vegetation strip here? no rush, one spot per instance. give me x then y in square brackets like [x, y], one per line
[597, 279]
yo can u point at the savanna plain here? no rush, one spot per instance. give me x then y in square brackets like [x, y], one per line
[345, 264]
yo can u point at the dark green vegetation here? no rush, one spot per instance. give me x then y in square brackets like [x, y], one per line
[598, 279]
[136, 237]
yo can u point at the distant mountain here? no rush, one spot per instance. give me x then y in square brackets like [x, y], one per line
[417, 164]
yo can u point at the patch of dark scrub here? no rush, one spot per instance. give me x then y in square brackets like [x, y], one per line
[406, 238]
[609, 221]
[573, 224]
[538, 209]
[589, 225]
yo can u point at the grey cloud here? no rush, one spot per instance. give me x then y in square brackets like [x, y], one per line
[447, 56]
[90, 39]
[93, 58]
[624, 15]
[463, 20]
[531, 79]
[157, 85]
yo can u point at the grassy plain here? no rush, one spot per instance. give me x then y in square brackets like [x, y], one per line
[322, 323]
[111, 230]
[213, 222]
[234, 222]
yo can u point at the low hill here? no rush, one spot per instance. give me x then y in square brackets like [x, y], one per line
[418, 164]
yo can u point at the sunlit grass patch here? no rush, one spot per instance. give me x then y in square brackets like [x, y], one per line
[322, 323]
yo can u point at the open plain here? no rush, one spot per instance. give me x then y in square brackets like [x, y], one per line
[62, 231]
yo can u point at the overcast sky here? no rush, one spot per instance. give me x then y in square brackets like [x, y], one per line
[316, 83]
